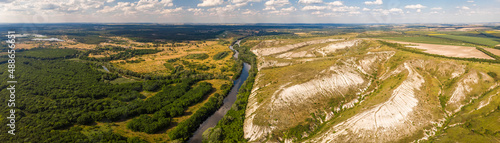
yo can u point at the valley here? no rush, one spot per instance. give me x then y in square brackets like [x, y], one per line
[275, 83]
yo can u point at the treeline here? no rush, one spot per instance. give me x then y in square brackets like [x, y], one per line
[100, 49]
[237, 69]
[201, 56]
[488, 53]
[185, 129]
[195, 66]
[165, 105]
[152, 33]
[417, 51]
[147, 124]
[178, 73]
[87, 38]
[129, 53]
[48, 54]
[230, 127]
[221, 55]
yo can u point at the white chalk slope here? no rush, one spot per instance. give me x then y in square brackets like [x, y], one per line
[383, 120]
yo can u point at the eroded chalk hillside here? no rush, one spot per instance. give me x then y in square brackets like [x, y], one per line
[345, 89]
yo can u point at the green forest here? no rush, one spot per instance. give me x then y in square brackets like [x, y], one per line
[57, 95]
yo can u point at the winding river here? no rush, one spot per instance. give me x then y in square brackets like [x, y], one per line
[228, 101]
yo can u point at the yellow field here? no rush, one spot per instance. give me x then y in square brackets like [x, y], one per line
[154, 63]
[496, 31]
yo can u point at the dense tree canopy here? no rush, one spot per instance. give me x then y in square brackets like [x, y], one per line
[55, 93]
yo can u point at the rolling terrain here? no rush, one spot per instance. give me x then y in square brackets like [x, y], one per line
[298, 83]
[346, 89]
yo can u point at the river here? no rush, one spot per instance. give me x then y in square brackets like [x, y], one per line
[106, 69]
[228, 101]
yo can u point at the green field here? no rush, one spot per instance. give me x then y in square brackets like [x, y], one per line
[121, 80]
[476, 40]
[428, 40]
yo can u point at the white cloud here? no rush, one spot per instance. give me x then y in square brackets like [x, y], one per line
[53, 6]
[240, 3]
[418, 10]
[290, 9]
[277, 3]
[388, 11]
[376, 2]
[339, 11]
[463, 7]
[470, 1]
[335, 3]
[249, 12]
[317, 12]
[273, 4]
[395, 10]
[120, 6]
[210, 3]
[310, 1]
[152, 5]
[366, 9]
[269, 8]
[6, 1]
[196, 11]
[417, 6]
[354, 12]
[309, 7]
[436, 8]
[146, 7]
[224, 10]
[169, 11]
[244, 1]
[110, 1]
[283, 11]
[345, 9]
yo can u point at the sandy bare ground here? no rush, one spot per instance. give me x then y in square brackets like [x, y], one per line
[463, 88]
[494, 51]
[275, 50]
[448, 50]
[472, 28]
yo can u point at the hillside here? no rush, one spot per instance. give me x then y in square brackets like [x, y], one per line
[362, 90]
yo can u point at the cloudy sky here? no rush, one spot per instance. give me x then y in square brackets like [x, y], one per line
[250, 11]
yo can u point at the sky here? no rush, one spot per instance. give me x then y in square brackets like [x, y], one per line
[249, 11]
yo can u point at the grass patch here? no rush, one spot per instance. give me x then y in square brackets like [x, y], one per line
[221, 55]
[201, 56]
[474, 40]
[427, 40]
[122, 80]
